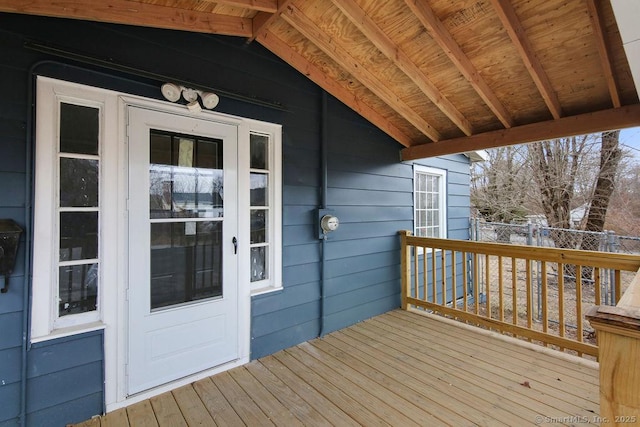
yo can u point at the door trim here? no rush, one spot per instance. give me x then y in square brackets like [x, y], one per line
[115, 299]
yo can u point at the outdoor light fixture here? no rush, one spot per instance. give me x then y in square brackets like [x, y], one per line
[9, 239]
[172, 92]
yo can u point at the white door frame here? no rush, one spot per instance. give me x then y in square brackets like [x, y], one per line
[115, 317]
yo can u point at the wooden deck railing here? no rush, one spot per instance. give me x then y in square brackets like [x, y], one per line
[618, 330]
[530, 292]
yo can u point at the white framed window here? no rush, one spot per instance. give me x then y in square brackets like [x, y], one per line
[429, 202]
[69, 225]
[264, 206]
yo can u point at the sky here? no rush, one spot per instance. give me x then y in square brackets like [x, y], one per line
[630, 139]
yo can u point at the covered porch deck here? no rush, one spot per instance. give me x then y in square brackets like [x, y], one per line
[401, 368]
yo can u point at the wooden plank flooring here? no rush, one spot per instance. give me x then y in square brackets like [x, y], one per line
[399, 369]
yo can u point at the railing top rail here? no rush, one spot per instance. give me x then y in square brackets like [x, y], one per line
[617, 261]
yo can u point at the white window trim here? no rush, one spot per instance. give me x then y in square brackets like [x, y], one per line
[274, 226]
[45, 323]
[442, 174]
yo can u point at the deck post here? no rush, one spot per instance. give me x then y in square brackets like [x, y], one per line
[405, 267]
[618, 332]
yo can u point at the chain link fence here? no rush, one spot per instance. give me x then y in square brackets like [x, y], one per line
[536, 234]
[533, 234]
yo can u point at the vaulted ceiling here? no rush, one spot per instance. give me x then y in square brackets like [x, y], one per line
[439, 76]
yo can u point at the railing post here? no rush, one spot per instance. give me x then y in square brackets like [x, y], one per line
[618, 332]
[611, 247]
[405, 267]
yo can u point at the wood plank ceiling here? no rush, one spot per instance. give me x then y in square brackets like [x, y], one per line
[438, 76]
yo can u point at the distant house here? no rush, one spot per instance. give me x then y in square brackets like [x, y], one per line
[578, 215]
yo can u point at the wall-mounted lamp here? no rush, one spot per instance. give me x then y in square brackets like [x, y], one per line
[9, 239]
[172, 92]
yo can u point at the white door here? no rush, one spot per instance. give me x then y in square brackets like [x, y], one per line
[182, 218]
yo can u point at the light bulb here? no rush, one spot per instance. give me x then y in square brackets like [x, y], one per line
[171, 92]
[209, 100]
[189, 94]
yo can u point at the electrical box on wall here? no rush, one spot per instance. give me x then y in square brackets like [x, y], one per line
[327, 222]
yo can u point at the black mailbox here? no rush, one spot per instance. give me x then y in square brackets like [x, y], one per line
[9, 239]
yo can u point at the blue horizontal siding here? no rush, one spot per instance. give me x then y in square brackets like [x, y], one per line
[10, 398]
[296, 295]
[64, 413]
[303, 273]
[301, 254]
[361, 279]
[299, 215]
[65, 353]
[373, 213]
[360, 197]
[350, 248]
[300, 195]
[368, 181]
[298, 234]
[275, 321]
[14, 158]
[361, 312]
[263, 345]
[65, 374]
[12, 300]
[365, 230]
[10, 358]
[11, 335]
[43, 392]
[12, 190]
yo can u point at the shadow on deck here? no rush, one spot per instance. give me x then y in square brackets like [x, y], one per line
[400, 368]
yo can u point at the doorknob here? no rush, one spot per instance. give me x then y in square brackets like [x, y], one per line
[235, 244]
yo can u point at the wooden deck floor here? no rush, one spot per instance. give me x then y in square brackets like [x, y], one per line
[397, 369]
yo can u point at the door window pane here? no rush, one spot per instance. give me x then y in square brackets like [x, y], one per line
[77, 289]
[160, 149]
[78, 182]
[208, 155]
[186, 178]
[78, 235]
[186, 262]
[79, 129]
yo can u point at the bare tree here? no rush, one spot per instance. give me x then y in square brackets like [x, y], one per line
[552, 177]
[554, 165]
[499, 185]
[610, 156]
[623, 214]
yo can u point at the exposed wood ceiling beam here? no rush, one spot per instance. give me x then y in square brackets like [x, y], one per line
[599, 121]
[268, 6]
[263, 20]
[315, 74]
[133, 13]
[439, 33]
[369, 28]
[598, 33]
[294, 17]
[511, 23]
